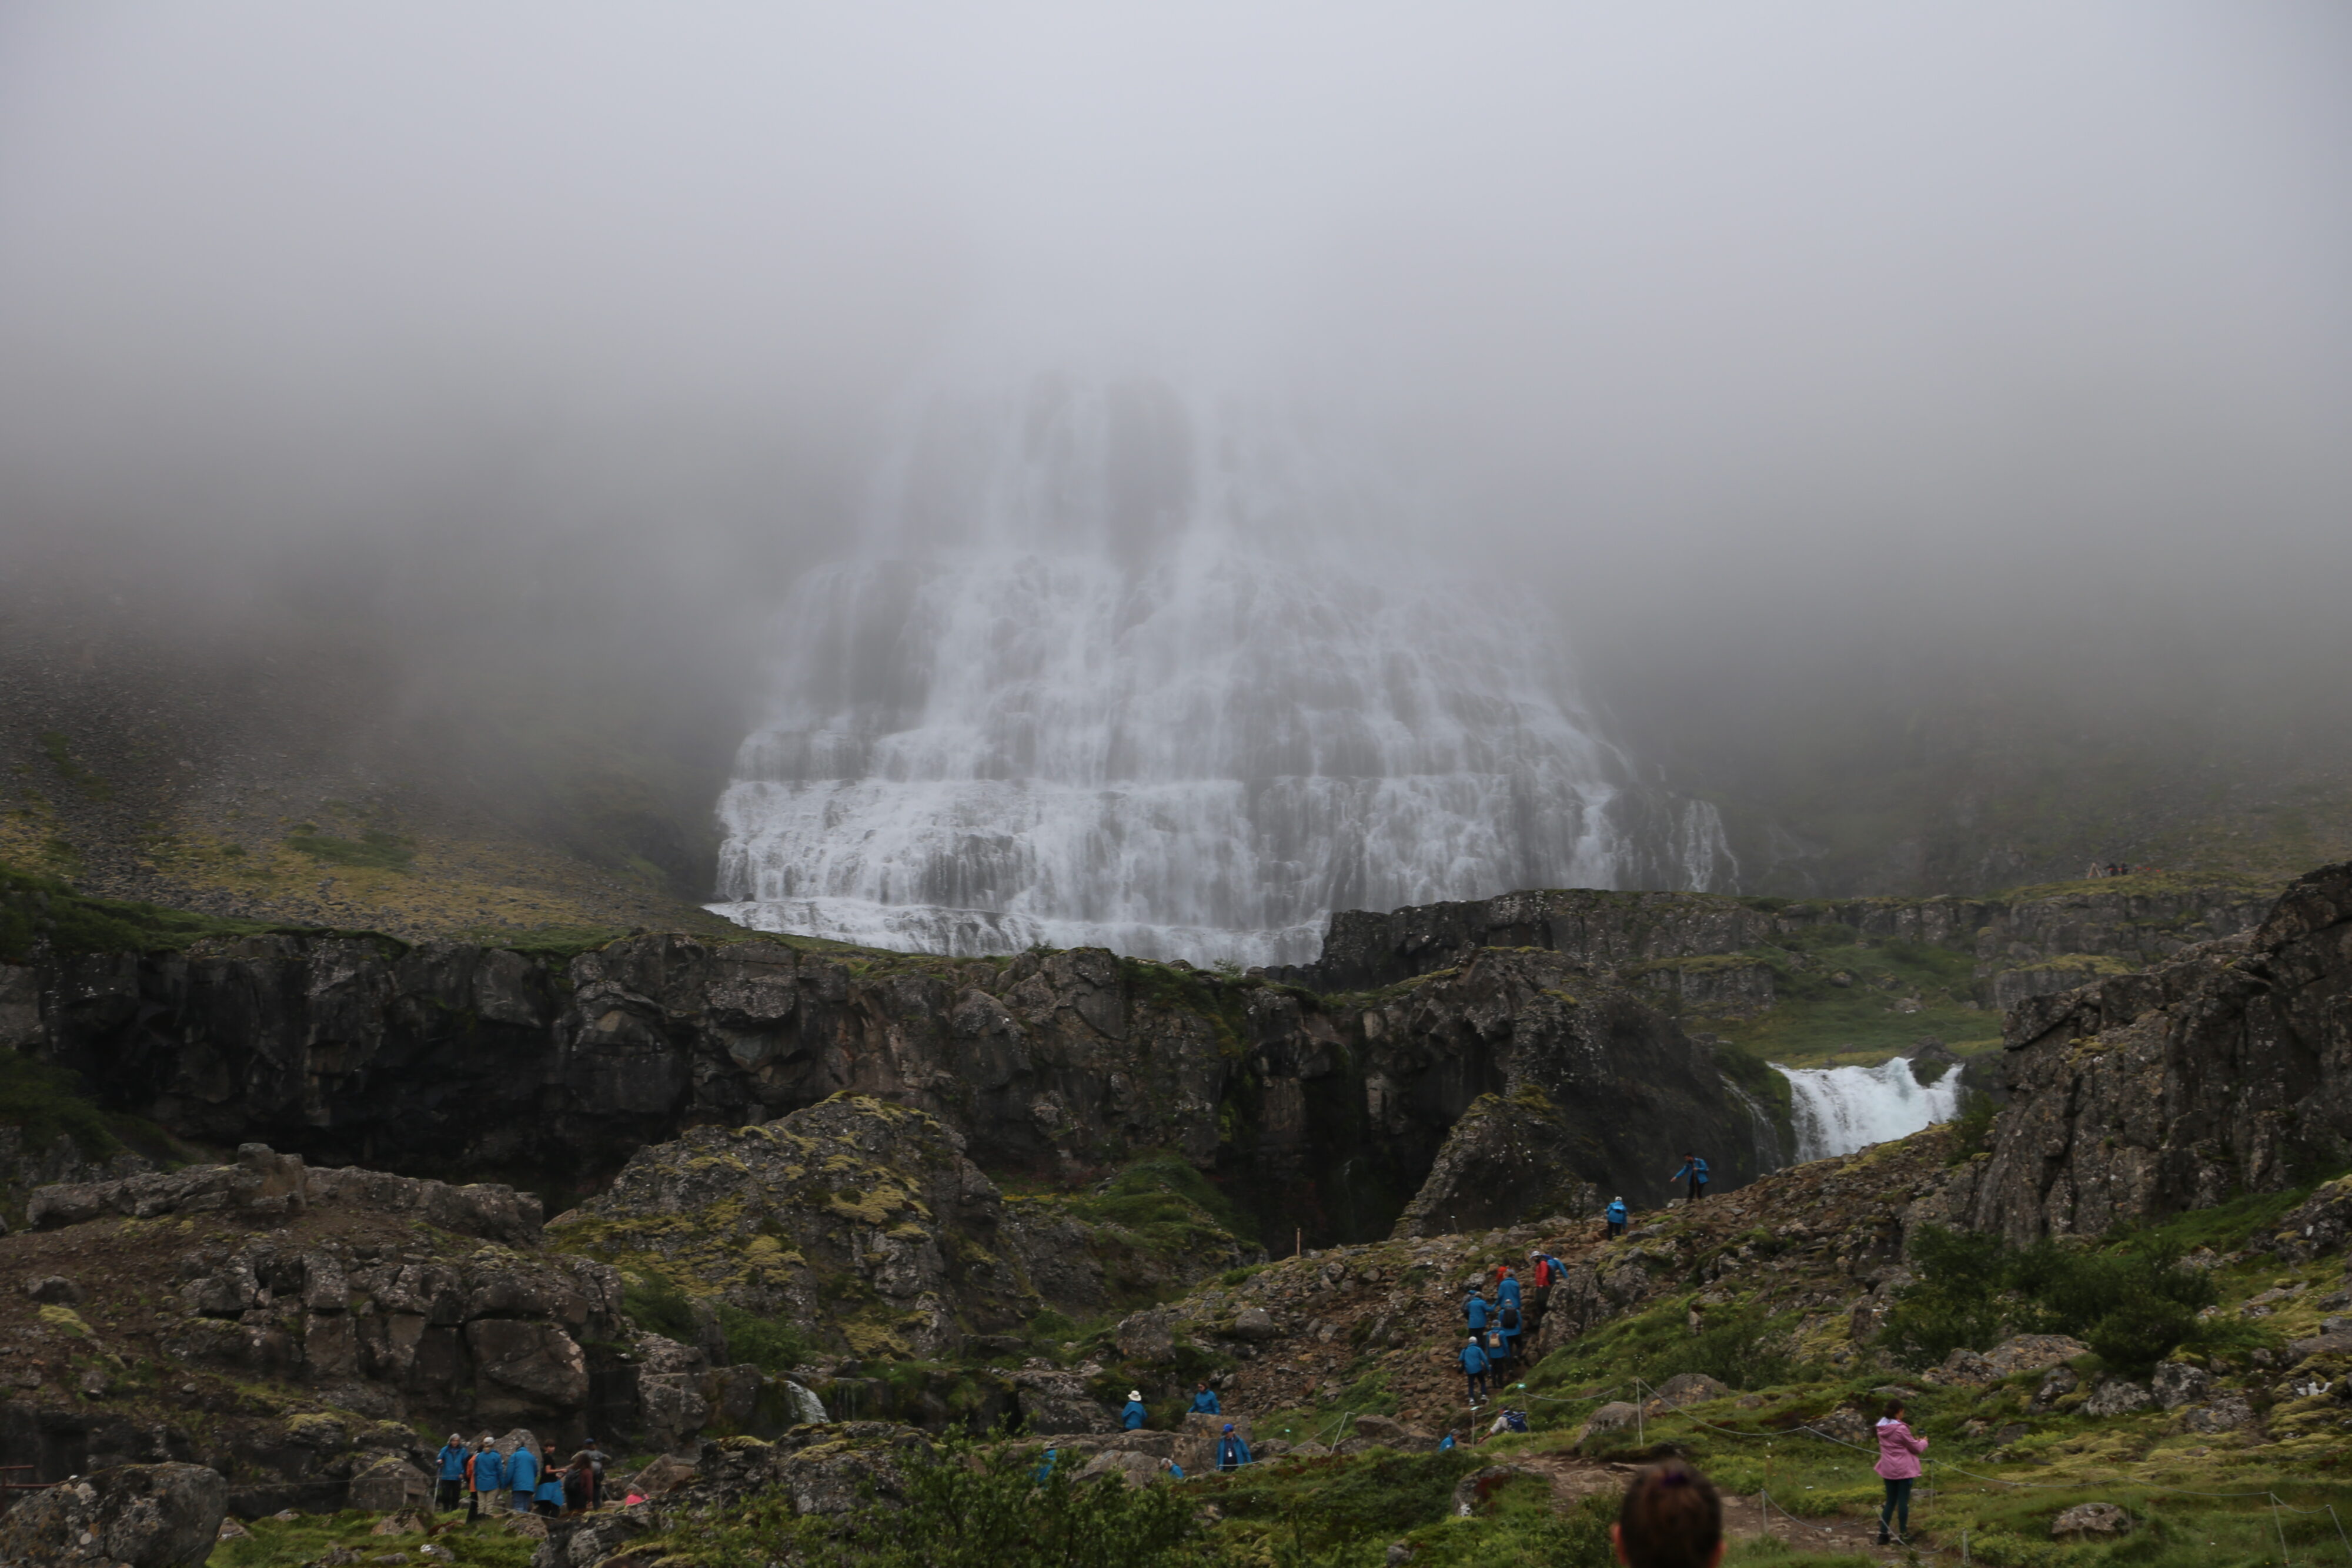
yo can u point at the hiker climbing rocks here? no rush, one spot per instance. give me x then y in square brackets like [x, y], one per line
[1543, 1272]
[1615, 1215]
[1204, 1401]
[1695, 1169]
[1898, 1467]
[1135, 1414]
[1473, 1368]
[1507, 1290]
[1232, 1449]
[1474, 1307]
[1672, 1517]
[1508, 1326]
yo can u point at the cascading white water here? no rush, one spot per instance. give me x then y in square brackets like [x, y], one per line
[1838, 1110]
[807, 1409]
[1115, 668]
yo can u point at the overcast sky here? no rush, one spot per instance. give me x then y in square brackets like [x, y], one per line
[1707, 314]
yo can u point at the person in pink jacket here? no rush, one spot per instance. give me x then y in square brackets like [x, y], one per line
[1898, 1465]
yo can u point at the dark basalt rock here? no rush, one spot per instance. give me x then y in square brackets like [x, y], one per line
[457, 1061]
[2228, 1070]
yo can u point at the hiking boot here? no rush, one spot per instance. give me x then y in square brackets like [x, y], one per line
[1884, 1539]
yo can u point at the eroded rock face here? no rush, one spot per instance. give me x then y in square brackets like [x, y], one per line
[1320, 1115]
[784, 1219]
[2148, 1095]
[149, 1516]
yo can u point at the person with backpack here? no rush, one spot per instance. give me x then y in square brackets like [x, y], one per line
[1615, 1215]
[1135, 1414]
[579, 1484]
[1898, 1465]
[597, 1459]
[1506, 1290]
[1544, 1271]
[1473, 1368]
[1204, 1401]
[1695, 1169]
[452, 1477]
[1474, 1307]
[1232, 1449]
[522, 1476]
[489, 1476]
[1672, 1517]
[1508, 1326]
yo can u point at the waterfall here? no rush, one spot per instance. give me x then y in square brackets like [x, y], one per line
[1838, 1110]
[808, 1410]
[1117, 667]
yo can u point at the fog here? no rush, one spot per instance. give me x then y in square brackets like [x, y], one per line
[1778, 349]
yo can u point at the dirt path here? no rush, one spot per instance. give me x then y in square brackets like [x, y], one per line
[1574, 1479]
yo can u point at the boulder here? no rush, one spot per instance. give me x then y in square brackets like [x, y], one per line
[1255, 1323]
[2177, 1383]
[2118, 1396]
[2091, 1522]
[666, 1473]
[1136, 1469]
[1388, 1429]
[2061, 1382]
[54, 1290]
[1686, 1388]
[2226, 1412]
[2033, 1353]
[1197, 1439]
[1615, 1415]
[388, 1485]
[1146, 1337]
[148, 1516]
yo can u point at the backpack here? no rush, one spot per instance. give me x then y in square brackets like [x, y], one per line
[1510, 1319]
[1517, 1421]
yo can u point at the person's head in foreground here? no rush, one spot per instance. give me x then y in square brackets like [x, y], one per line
[1670, 1518]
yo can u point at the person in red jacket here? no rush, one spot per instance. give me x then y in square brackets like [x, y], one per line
[1898, 1465]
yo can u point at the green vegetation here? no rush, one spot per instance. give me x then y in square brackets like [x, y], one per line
[655, 1303]
[373, 849]
[965, 1505]
[37, 908]
[775, 1348]
[1172, 1206]
[1743, 1346]
[47, 1101]
[1815, 1021]
[2133, 1302]
[292, 1543]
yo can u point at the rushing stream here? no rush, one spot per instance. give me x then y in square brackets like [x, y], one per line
[1114, 667]
[1838, 1110]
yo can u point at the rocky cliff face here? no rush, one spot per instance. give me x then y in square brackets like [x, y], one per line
[1318, 1115]
[2225, 1070]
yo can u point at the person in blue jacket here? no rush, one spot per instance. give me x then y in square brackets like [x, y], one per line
[522, 1476]
[1473, 1306]
[1473, 1368]
[451, 1480]
[490, 1476]
[1045, 1467]
[1232, 1449]
[1695, 1169]
[1135, 1414]
[1615, 1215]
[1204, 1401]
[1506, 1294]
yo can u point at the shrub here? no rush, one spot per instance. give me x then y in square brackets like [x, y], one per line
[967, 1505]
[769, 1344]
[2133, 1302]
[655, 1303]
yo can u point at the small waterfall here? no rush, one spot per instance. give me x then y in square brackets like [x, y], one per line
[808, 1410]
[1838, 1110]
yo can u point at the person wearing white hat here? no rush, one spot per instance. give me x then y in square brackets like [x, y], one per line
[1134, 1415]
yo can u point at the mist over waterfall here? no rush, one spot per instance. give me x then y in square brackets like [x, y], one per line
[1838, 1110]
[1116, 665]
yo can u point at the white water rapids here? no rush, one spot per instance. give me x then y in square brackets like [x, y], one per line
[1113, 667]
[1838, 1110]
